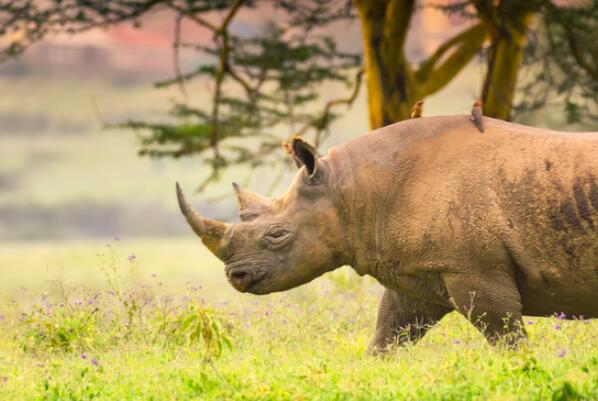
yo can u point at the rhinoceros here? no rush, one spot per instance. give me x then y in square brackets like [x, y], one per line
[494, 225]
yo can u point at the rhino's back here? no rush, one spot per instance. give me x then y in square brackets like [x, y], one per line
[535, 191]
[405, 133]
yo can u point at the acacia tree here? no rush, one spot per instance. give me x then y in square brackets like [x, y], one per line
[394, 84]
[271, 80]
[555, 40]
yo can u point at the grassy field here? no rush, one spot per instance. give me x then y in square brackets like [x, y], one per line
[155, 320]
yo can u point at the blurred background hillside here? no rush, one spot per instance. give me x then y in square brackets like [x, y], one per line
[62, 176]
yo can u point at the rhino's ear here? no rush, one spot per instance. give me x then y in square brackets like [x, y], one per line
[251, 205]
[306, 155]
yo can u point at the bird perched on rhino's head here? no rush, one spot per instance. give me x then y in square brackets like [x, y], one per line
[476, 115]
[417, 109]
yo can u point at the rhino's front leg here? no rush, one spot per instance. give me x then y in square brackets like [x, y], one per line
[491, 302]
[402, 318]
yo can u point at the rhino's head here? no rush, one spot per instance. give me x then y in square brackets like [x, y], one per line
[280, 243]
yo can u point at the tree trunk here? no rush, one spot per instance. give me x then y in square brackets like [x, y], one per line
[503, 67]
[389, 94]
[394, 85]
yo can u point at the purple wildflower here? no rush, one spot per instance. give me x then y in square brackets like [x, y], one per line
[557, 327]
[83, 356]
[94, 362]
[456, 342]
[562, 353]
[131, 258]
[530, 323]
[561, 316]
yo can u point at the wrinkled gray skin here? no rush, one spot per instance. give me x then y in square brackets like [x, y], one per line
[445, 218]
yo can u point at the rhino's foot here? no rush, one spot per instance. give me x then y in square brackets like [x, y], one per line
[510, 336]
[377, 350]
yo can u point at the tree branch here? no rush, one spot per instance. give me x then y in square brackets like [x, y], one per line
[193, 17]
[224, 52]
[176, 47]
[428, 65]
[579, 57]
[471, 44]
[234, 75]
[396, 21]
[328, 107]
[231, 14]
[488, 15]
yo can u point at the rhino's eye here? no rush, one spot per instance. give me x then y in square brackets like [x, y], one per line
[277, 235]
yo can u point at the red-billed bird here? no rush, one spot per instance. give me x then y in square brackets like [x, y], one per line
[417, 109]
[477, 114]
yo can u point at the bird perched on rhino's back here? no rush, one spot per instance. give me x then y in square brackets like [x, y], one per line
[477, 114]
[417, 109]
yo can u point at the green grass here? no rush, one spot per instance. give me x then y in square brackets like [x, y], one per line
[306, 344]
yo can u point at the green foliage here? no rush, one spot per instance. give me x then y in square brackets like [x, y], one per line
[266, 85]
[66, 328]
[566, 60]
[199, 325]
[274, 80]
[73, 320]
[561, 55]
[306, 344]
[567, 392]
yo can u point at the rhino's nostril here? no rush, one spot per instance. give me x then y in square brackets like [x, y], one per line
[239, 276]
[241, 279]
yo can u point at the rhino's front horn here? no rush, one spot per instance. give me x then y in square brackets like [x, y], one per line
[212, 233]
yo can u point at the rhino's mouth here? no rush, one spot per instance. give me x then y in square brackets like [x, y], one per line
[243, 279]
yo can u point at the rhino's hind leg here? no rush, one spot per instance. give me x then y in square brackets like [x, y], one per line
[401, 319]
[492, 305]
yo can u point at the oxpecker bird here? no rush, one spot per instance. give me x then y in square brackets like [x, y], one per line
[476, 115]
[417, 109]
